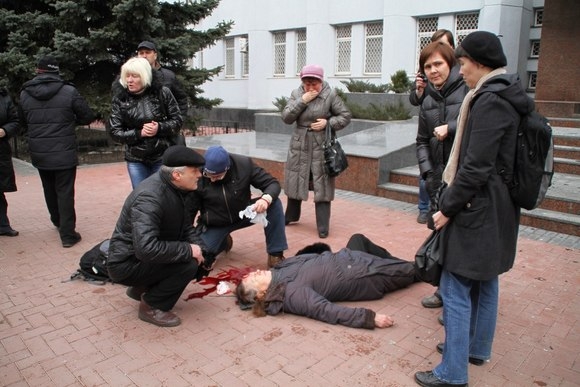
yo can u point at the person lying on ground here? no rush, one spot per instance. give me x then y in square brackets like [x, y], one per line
[309, 284]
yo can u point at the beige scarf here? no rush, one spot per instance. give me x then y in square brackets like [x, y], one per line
[453, 162]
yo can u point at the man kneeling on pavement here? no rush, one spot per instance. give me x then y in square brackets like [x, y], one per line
[154, 248]
[226, 190]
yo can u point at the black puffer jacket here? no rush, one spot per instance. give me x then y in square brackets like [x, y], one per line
[152, 227]
[438, 108]
[220, 202]
[130, 111]
[169, 79]
[8, 122]
[50, 109]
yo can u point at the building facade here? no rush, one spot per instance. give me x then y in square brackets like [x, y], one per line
[366, 40]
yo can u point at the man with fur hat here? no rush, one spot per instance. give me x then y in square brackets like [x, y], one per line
[478, 220]
[225, 191]
[50, 110]
[154, 248]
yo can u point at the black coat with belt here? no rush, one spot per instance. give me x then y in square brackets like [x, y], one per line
[8, 122]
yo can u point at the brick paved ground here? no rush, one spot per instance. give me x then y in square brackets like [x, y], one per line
[55, 333]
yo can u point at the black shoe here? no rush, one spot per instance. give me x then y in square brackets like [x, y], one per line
[440, 319]
[432, 301]
[323, 234]
[422, 217]
[275, 259]
[72, 241]
[9, 232]
[427, 379]
[472, 360]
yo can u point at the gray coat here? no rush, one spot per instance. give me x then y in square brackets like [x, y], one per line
[480, 239]
[305, 153]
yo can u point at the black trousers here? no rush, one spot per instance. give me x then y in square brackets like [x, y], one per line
[164, 282]
[4, 221]
[59, 194]
[322, 209]
[359, 242]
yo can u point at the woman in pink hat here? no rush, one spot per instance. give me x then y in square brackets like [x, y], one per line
[312, 106]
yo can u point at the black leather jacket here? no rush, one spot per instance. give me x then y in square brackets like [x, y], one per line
[153, 227]
[130, 111]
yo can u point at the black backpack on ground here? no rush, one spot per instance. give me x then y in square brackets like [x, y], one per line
[93, 264]
[534, 161]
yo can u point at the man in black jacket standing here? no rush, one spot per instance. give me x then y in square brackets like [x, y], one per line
[50, 110]
[154, 248]
[148, 50]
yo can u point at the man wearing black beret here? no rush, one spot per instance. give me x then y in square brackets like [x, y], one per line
[154, 249]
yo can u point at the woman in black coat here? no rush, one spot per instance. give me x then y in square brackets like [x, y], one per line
[144, 116]
[310, 283]
[478, 220]
[8, 128]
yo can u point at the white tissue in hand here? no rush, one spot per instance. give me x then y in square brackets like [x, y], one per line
[254, 216]
[222, 288]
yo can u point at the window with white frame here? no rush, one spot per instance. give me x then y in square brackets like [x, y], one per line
[343, 49]
[538, 17]
[230, 57]
[426, 26]
[245, 53]
[535, 50]
[464, 25]
[373, 47]
[300, 49]
[279, 53]
[532, 79]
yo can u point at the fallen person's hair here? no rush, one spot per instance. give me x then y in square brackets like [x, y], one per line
[315, 248]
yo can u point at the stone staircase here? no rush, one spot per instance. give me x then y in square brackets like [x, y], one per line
[560, 210]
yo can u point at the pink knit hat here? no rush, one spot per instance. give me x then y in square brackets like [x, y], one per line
[312, 71]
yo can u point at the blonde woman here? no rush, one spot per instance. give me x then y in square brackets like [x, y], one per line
[144, 117]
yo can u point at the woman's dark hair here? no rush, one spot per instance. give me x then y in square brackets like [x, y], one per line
[441, 33]
[461, 53]
[248, 298]
[437, 47]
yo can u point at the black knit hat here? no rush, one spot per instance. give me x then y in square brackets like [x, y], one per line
[181, 156]
[47, 64]
[485, 48]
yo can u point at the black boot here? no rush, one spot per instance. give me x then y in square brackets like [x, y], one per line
[322, 218]
[293, 209]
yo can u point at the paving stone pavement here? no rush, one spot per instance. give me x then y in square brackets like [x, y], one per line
[59, 333]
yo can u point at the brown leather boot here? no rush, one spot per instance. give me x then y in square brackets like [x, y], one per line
[273, 260]
[157, 316]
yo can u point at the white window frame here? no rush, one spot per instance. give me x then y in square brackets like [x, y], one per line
[461, 33]
[230, 57]
[535, 49]
[343, 34]
[424, 34]
[532, 80]
[369, 55]
[301, 46]
[245, 55]
[538, 17]
[279, 52]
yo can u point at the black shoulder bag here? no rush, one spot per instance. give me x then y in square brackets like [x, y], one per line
[335, 161]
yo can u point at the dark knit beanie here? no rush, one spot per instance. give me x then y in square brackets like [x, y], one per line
[485, 48]
[47, 64]
[182, 156]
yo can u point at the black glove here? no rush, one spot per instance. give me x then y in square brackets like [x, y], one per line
[204, 269]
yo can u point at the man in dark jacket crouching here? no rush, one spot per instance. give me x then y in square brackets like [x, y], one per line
[154, 248]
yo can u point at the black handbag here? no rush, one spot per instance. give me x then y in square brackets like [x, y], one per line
[335, 160]
[429, 259]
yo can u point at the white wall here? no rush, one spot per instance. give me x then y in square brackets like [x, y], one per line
[258, 18]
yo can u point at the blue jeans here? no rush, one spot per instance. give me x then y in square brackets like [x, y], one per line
[466, 337]
[140, 171]
[275, 231]
[423, 196]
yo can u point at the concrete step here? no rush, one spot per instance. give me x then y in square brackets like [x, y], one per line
[562, 196]
[567, 152]
[564, 122]
[569, 166]
[540, 218]
[566, 136]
